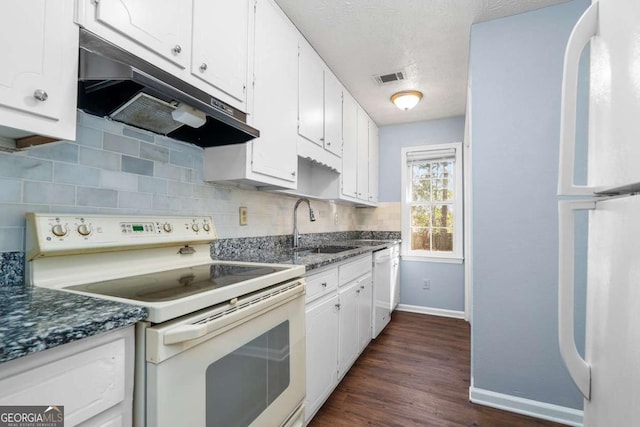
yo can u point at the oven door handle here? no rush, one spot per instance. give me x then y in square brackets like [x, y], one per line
[185, 333]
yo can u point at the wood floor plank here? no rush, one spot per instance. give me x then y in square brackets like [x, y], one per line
[416, 373]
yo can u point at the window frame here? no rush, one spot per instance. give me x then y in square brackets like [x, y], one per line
[456, 256]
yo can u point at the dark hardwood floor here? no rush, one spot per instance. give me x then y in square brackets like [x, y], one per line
[416, 373]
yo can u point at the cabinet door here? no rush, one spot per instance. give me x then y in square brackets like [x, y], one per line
[39, 72]
[363, 155]
[275, 94]
[365, 302]
[349, 146]
[322, 352]
[373, 162]
[311, 95]
[332, 114]
[348, 329]
[162, 27]
[221, 44]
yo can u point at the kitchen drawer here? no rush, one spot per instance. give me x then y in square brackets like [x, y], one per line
[321, 284]
[354, 269]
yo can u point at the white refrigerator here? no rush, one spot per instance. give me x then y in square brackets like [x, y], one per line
[609, 374]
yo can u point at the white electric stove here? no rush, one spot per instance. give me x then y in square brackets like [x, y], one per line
[224, 342]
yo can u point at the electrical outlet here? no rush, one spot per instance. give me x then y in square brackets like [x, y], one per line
[335, 219]
[244, 215]
[426, 284]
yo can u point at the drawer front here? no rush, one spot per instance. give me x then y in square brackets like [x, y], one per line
[321, 284]
[354, 269]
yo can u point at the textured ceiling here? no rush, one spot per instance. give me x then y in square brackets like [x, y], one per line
[428, 39]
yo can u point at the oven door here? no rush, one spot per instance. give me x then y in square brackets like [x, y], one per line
[242, 364]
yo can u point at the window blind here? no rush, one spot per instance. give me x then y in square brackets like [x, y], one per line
[430, 155]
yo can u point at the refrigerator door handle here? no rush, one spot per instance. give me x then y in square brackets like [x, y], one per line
[579, 369]
[586, 28]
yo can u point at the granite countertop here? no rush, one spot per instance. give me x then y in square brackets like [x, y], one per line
[33, 319]
[311, 261]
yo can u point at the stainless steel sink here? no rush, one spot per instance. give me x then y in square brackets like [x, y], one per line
[324, 250]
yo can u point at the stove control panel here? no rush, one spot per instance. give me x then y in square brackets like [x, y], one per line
[51, 234]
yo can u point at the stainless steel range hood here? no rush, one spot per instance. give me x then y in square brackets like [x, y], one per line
[116, 84]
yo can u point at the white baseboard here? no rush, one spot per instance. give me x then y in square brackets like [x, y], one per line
[533, 408]
[429, 310]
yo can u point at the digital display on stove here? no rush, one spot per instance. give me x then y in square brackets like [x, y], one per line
[137, 228]
[175, 284]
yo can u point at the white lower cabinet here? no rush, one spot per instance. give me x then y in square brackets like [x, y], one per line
[92, 378]
[322, 352]
[365, 298]
[338, 325]
[348, 328]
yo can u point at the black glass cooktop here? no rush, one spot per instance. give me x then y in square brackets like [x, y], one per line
[175, 284]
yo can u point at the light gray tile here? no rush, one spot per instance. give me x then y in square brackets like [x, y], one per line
[167, 171]
[118, 180]
[204, 191]
[75, 174]
[75, 209]
[181, 158]
[98, 197]
[167, 203]
[133, 200]
[59, 151]
[138, 134]
[17, 166]
[154, 152]
[152, 185]
[223, 193]
[137, 166]
[46, 193]
[13, 214]
[99, 159]
[172, 143]
[89, 136]
[100, 123]
[179, 189]
[11, 239]
[10, 190]
[186, 175]
[120, 144]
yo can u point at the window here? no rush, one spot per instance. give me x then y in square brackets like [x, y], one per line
[432, 201]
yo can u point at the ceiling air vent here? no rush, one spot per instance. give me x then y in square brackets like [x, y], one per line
[390, 78]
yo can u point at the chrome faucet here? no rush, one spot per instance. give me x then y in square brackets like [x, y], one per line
[296, 235]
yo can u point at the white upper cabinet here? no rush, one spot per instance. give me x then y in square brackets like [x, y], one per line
[310, 95]
[39, 71]
[374, 159]
[221, 44]
[275, 94]
[270, 160]
[350, 147]
[363, 154]
[161, 27]
[332, 114]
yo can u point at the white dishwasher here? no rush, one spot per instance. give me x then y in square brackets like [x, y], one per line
[381, 290]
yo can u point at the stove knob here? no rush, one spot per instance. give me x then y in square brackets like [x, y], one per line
[84, 229]
[195, 227]
[167, 227]
[206, 227]
[59, 230]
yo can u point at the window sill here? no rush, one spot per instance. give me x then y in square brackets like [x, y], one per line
[432, 259]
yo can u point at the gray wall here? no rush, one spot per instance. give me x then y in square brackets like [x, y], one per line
[515, 70]
[447, 280]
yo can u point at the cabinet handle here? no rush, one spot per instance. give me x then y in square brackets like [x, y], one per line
[293, 173]
[328, 143]
[40, 95]
[323, 284]
[338, 306]
[322, 139]
[361, 286]
[176, 49]
[357, 291]
[203, 67]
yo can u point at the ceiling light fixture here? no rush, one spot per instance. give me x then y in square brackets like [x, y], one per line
[407, 99]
